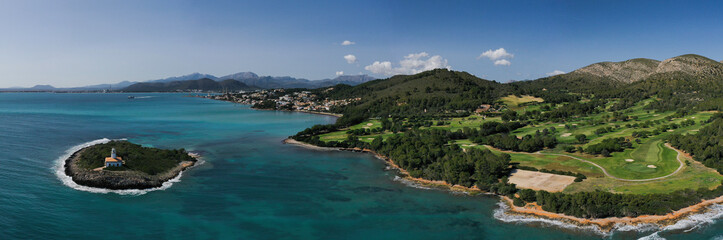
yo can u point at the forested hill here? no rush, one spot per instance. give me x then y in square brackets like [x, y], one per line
[204, 84]
[683, 81]
[690, 82]
[435, 92]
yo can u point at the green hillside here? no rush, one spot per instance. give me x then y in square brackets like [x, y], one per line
[616, 127]
[437, 92]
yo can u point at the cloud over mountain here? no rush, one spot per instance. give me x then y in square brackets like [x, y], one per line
[411, 64]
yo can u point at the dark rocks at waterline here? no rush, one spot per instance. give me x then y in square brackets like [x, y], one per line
[118, 180]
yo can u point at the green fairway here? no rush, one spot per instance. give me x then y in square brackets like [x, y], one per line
[694, 176]
[648, 159]
[513, 102]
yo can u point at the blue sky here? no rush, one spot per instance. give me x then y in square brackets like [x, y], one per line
[75, 43]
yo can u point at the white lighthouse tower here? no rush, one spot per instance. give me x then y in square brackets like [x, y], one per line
[113, 160]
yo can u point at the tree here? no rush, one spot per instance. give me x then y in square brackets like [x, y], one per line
[605, 153]
[581, 138]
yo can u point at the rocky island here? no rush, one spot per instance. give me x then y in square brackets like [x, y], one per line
[121, 165]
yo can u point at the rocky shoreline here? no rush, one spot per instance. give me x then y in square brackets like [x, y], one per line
[532, 210]
[119, 180]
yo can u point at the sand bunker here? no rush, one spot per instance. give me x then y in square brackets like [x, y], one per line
[540, 181]
[629, 160]
[561, 125]
[652, 166]
[566, 135]
[369, 124]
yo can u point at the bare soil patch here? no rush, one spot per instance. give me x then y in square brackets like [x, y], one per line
[540, 181]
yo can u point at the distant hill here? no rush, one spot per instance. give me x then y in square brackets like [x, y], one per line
[248, 78]
[204, 84]
[240, 76]
[626, 71]
[438, 91]
[634, 70]
[268, 82]
[682, 81]
[192, 76]
[605, 75]
[42, 88]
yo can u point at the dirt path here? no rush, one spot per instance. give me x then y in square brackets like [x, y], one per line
[603, 169]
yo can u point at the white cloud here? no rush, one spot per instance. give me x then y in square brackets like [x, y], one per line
[556, 72]
[500, 56]
[502, 62]
[347, 43]
[411, 64]
[381, 68]
[350, 58]
[339, 73]
[500, 53]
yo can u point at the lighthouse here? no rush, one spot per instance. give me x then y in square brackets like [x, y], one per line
[113, 160]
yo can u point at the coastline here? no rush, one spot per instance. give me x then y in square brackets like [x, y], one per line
[532, 209]
[123, 180]
[607, 224]
[337, 115]
[393, 165]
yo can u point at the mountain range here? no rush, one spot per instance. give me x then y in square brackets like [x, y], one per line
[679, 72]
[252, 80]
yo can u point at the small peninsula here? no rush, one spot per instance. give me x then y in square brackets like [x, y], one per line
[121, 165]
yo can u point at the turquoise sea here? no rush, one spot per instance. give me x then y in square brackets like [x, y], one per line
[251, 186]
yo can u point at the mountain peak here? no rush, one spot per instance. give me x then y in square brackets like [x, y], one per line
[42, 87]
[626, 71]
[192, 76]
[637, 69]
[690, 64]
[240, 76]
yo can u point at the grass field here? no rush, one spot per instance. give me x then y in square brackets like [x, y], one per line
[694, 176]
[513, 102]
[648, 151]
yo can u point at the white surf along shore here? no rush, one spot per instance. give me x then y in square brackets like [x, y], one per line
[68, 181]
[704, 213]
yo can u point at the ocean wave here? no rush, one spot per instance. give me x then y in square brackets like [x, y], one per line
[687, 224]
[410, 183]
[141, 97]
[502, 214]
[68, 181]
[713, 213]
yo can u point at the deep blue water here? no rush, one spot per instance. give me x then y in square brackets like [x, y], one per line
[251, 186]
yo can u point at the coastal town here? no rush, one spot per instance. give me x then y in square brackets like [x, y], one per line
[285, 99]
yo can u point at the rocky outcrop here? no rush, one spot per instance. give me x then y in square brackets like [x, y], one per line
[627, 71]
[691, 64]
[637, 69]
[118, 180]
